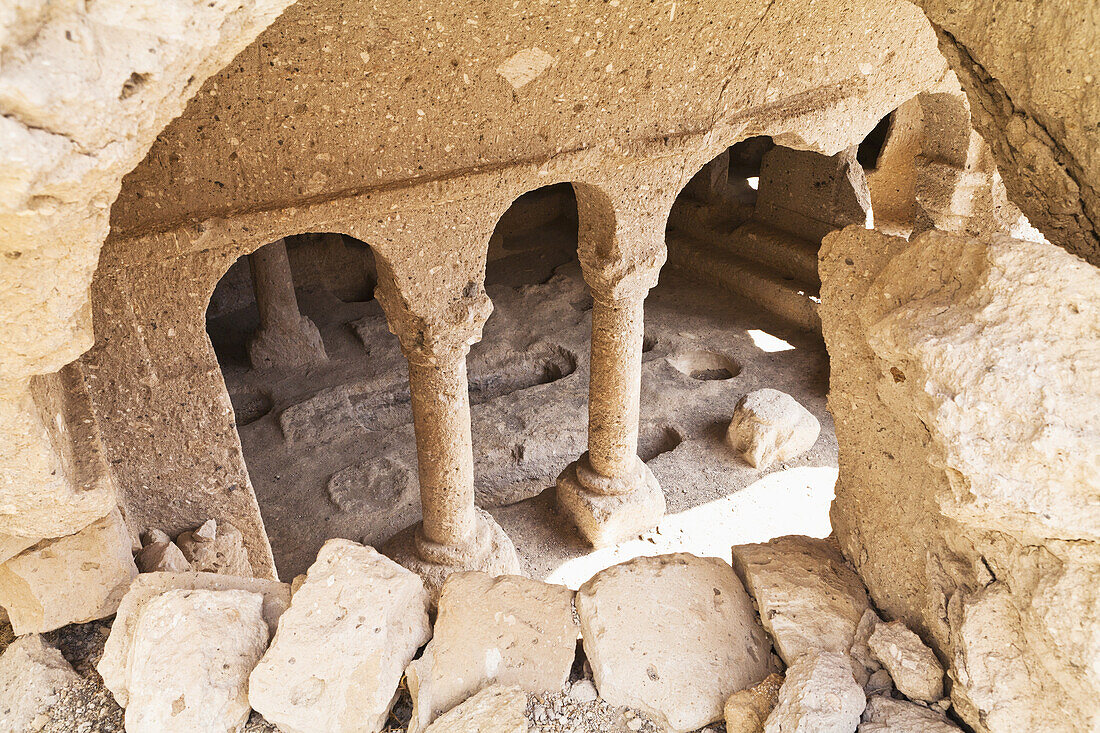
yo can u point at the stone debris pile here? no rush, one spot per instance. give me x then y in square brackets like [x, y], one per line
[783, 640]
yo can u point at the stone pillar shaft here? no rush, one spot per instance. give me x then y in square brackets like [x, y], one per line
[274, 287]
[615, 385]
[444, 450]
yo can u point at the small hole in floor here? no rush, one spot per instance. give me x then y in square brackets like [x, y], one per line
[657, 439]
[705, 366]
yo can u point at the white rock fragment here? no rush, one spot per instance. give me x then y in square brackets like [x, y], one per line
[809, 599]
[525, 66]
[886, 715]
[216, 548]
[819, 695]
[32, 674]
[672, 636]
[161, 554]
[115, 665]
[507, 630]
[191, 655]
[72, 579]
[495, 709]
[353, 626]
[583, 691]
[769, 426]
[916, 671]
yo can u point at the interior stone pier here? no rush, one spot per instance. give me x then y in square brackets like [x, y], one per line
[285, 338]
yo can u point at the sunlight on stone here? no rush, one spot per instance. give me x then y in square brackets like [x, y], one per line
[766, 342]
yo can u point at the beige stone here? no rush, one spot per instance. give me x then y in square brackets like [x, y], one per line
[747, 710]
[507, 630]
[115, 664]
[67, 580]
[189, 663]
[351, 629]
[672, 636]
[860, 651]
[887, 715]
[819, 695]
[214, 548]
[495, 709]
[913, 667]
[809, 599]
[161, 554]
[32, 673]
[769, 426]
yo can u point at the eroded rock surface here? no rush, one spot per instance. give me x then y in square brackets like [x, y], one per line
[746, 711]
[161, 555]
[506, 630]
[214, 548]
[495, 709]
[912, 666]
[769, 426]
[31, 675]
[819, 695]
[673, 636]
[337, 657]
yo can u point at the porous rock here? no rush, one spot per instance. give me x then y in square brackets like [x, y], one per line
[72, 579]
[192, 652]
[31, 675]
[507, 630]
[809, 599]
[819, 695]
[352, 627]
[769, 426]
[887, 715]
[216, 548]
[916, 671]
[495, 709]
[115, 665]
[747, 710]
[672, 636]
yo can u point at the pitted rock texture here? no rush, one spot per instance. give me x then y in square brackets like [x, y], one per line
[746, 711]
[214, 548]
[769, 426]
[192, 652]
[966, 391]
[496, 709]
[352, 627]
[912, 666]
[115, 666]
[672, 636]
[73, 579]
[508, 630]
[819, 695]
[32, 674]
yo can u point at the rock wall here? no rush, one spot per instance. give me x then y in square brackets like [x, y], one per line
[1030, 69]
[965, 385]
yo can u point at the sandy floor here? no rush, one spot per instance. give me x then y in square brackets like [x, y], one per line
[331, 451]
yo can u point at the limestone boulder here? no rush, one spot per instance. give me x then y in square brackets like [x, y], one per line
[819, 695]
[191, 655]
[495, 709]
[769, 426]
[215, 548]
[913, 667]
[810, 600]
[73, 579]
[672, 636]
[161, 554]
[115, 664]
[31, 675]
[747, 710]
[887, 715]
[353, 626]
[507, 630]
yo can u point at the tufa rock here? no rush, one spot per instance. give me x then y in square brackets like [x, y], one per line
[352, 627]
[819, 695]
[115, 664]
[73, 579]
[913, 666]
[31, 675]
[747, 710]
[507, 630]
[215, 549]
[191, 655]
[672, 636]
[495, 709]
[769, 426]
[886, 715]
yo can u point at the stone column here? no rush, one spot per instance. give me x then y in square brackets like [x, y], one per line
[286, 338]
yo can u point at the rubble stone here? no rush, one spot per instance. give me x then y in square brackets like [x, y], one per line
[337, 657]
[191, 655]
[914, 668]
[507, 630]
[769, 426]
[495, 709]
[887, 715]
[73, 579]
[819, 695]
[216, 549]
[747, 710]
[672, 636]
[31, 675]
[161, 554]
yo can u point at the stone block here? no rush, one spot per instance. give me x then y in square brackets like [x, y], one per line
[913, 667]
[887, 715]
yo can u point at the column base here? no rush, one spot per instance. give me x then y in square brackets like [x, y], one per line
[607, 519]
[301, 347]
[491, 552]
